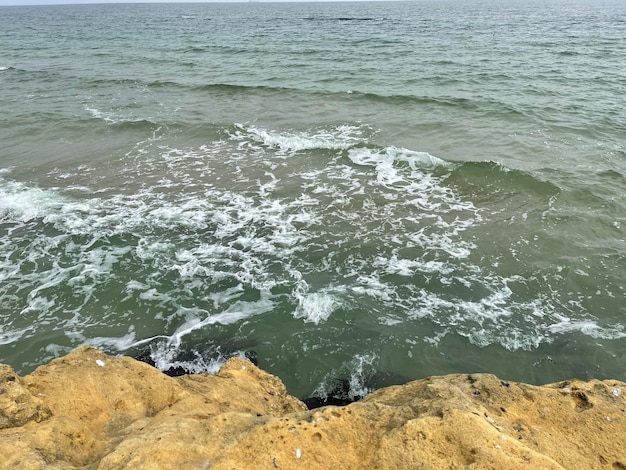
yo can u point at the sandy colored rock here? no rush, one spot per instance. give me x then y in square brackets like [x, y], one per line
[89, 410]
[17, 405]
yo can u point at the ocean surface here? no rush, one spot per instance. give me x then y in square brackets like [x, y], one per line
[359, 192]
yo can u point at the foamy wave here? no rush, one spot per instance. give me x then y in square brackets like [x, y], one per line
[401, 169]
[338, 138]
[181, 243]
[166, 358]
[589, 328]
[351, 381]
[22, 203]
[122, 343]
[408, 267]
[415, 160]
[3, 68]
[361, 368]
[238, 240]
[495, 318]
[14, 335]
[239, 311]
[117, 117]
[315, 307]
[97, 114]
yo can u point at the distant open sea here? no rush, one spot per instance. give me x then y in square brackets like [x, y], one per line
[367, 192]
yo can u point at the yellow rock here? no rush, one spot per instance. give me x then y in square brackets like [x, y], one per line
[90, 410]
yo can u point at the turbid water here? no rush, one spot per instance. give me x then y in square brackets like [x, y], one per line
[370, 191]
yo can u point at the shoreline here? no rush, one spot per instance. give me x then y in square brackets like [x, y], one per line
[91, 410]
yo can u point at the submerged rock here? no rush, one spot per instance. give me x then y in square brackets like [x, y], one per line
[342, 392]
[90, 410]
[196, 357]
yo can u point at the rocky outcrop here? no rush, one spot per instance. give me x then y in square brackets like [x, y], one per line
[90, 410]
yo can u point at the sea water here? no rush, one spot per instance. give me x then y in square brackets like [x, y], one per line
[367, 192]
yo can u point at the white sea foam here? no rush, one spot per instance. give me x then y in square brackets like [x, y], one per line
[371, 285]
[315, 307]
[359, 371]
[165, 354]
[338, 138]
[441, 242]
[2, 68]
[361, 367]
[402, 267]
[408, 267]
[13, 335]
[194, 324]
[494, 319]
[247, 231]
[20, 202]
[165, 359]
[97, 114]
[589, 328]
[122, 343]
[386, 161]
[189, 235]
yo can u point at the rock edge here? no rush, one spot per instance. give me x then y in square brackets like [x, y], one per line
[89, 410]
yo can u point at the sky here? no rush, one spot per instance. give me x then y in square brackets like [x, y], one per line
[75, 2]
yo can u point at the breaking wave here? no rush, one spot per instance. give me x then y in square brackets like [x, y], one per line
[320, 231]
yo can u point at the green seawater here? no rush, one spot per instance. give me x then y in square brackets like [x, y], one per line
[372, 191]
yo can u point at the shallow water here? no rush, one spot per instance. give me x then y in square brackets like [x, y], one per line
[372, 191]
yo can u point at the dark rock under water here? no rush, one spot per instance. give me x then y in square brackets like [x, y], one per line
[185, 360]
[342, 392]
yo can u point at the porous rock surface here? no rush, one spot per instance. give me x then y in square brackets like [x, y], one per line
[90, 410]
